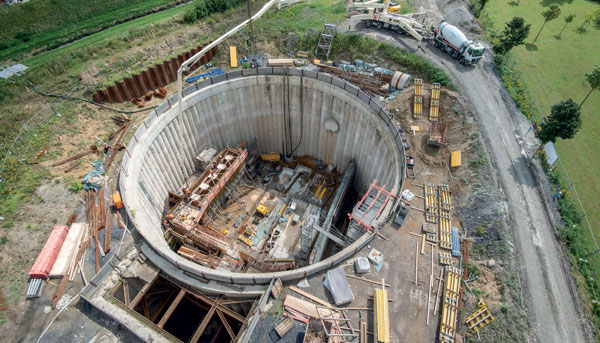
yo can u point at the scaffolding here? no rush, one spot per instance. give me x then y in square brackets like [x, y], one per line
[370, 206]
[325, 41]
[311, 218]
[367, 210]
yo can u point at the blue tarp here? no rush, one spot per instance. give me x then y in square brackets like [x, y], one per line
[455, 243]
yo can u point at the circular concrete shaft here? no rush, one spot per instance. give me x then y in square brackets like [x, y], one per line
[228, 109]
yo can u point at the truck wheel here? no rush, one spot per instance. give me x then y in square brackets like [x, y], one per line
[454, 55]
[369, 23]
[379, 25]
[436, 43]
[462, 60]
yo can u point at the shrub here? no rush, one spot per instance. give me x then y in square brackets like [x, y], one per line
[189, 17]
[75, 186]
[24, 36]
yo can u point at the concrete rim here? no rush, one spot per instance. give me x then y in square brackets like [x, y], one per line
[188, 267]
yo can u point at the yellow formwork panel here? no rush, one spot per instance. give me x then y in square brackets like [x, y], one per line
[449, 306]
[418, 100]
[233, 56]
[434, 108]
[381, 317]
[455, 159]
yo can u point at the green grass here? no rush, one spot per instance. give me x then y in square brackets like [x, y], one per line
[125, 29]
[41, 25]
[551, 70]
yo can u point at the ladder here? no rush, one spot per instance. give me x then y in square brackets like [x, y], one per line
[325, 41]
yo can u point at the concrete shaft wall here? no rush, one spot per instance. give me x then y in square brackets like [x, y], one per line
[225, 111]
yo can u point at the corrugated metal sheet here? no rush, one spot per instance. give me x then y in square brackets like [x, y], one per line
[150, 79]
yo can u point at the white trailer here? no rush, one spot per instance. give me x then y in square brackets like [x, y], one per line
[452, 40]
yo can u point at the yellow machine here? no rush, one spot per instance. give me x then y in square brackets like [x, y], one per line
[394, 8]
[274, 156]
[261, 209]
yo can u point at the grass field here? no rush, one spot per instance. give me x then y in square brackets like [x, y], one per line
[41, 25]
[553, 69]
[109, 33]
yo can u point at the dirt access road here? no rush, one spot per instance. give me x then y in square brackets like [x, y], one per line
[554, 308]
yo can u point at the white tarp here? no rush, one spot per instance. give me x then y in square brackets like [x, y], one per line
[13, 69]
[337, 284]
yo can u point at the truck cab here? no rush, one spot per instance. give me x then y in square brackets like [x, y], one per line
[473, 53]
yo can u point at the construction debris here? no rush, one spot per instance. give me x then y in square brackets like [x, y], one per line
[93, 150]
[376, 257]
[369, 84]
[362, 265]
[438, 133]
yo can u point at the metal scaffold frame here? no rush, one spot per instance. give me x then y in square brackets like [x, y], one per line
[325, 40]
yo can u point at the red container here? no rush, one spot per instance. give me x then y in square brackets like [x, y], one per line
[45, 260]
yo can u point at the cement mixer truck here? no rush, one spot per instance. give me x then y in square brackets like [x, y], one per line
[450, 39]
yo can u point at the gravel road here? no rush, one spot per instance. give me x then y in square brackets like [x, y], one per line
[554, 310]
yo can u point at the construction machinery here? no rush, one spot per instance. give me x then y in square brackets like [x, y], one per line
[382, 15]
[452, 40]
[262, 210]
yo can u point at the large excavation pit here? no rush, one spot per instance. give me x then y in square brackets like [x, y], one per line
[267, 158]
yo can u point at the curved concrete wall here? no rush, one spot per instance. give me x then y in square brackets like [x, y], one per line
[225, 110]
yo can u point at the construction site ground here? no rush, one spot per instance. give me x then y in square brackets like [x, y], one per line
[409, 305]
[524, 209]
[504, 209]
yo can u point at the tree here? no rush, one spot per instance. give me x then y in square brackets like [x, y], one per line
[568, 20]
[514, 34]
[593, 79]
[589, 17]
[550, 14]
[564, 122]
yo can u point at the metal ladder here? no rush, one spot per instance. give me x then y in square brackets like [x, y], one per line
[325, 41]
